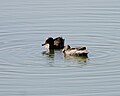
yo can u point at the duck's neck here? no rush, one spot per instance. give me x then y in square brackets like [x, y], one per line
[51, 46]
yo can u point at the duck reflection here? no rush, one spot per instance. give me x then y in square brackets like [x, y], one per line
[79, 59]
[49, 52]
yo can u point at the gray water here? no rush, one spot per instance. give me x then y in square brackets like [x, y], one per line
[25, 24]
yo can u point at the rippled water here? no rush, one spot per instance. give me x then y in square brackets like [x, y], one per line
[25, 24]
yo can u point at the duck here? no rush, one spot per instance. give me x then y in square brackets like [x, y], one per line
[78, 51]
[56, 43]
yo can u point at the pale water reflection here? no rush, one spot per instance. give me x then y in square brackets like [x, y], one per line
[56, 56]
[24, 25]
[79, 59]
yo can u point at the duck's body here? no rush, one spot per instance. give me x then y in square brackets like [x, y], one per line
[57, 43]
[79, 51]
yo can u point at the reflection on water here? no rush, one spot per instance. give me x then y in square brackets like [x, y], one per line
[80, 59]
[92, 23]
[49, 52]
[52, 54]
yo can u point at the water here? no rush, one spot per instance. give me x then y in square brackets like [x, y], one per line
[25, 24]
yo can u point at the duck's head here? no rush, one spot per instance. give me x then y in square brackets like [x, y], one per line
[67, 47]
[49, 41]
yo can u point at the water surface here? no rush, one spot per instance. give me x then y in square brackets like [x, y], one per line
[25, 24]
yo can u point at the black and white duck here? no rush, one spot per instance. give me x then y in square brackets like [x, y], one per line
[56, 43]
[78, 51]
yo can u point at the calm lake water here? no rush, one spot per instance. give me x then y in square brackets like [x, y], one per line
[25, 24]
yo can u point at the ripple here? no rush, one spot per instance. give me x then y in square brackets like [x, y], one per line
[29, 50]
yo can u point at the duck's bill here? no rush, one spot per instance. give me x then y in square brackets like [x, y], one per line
[43, 44]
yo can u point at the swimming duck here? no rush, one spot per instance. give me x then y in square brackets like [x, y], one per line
[57, 43]
[79, 51]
